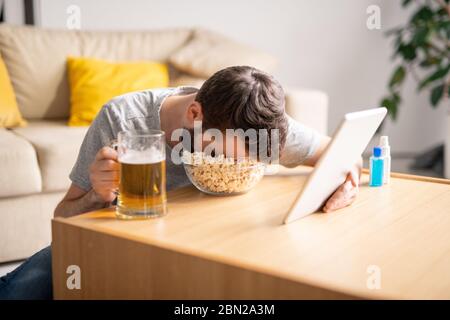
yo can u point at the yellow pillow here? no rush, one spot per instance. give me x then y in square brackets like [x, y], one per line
[9, 111]
[94, 82]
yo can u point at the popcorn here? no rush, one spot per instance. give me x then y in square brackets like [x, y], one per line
[220, 175]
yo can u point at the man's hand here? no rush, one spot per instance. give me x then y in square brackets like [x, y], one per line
[347, 192]
[104, 174]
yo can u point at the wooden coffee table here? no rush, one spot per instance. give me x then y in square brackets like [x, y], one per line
[393, 242]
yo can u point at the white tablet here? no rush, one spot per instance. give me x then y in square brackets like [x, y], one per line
[343, 151]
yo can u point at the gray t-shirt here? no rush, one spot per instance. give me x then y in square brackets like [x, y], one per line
[140, 111]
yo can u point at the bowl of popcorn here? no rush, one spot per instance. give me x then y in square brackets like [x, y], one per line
[220, 175]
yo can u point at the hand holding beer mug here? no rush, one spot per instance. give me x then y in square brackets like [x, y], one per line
[142, 184]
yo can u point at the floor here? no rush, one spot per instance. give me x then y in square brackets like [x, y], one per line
[399, 164]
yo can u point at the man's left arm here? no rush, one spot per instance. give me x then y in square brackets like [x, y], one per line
[305, 146]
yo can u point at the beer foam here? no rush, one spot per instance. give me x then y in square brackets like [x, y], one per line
[148, 156]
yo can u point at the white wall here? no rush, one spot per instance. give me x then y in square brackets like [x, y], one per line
[13, 11]
[321, 44]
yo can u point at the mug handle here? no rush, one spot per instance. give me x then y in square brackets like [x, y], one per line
[115, 145]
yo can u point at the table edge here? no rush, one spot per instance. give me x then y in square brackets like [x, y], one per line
[407, 176]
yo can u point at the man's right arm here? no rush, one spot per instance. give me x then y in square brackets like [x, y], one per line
[104, 177]
[77, 201]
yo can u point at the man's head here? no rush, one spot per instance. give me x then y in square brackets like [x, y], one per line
[240, 97]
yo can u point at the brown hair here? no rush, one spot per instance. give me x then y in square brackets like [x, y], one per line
[243, 97]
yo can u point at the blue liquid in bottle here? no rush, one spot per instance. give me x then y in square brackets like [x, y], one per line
[376, 168]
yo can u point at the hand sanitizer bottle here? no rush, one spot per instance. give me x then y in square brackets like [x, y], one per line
[386, 153]
[376, 168]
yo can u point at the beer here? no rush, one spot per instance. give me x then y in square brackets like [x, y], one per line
[142, 184]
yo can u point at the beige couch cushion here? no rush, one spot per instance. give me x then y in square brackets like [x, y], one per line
[36, 60]
[208, 52]
[186, 80]
[25, 224]
[156, 45]
[19, 169]
[57, 148]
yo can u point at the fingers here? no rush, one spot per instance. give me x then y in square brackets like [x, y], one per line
[106, 190]
[104, 170]
[108, 165]
[346, 193]
[107, 186]
[107, 176]
[106, 153]
[342, 197]
[354, 178]
[104, 174]
[105, 181]
[107, 195]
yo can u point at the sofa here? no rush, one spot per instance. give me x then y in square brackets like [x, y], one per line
[35, 160]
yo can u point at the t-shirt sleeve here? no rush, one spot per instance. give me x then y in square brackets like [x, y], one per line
[99, 134]
[301, 143]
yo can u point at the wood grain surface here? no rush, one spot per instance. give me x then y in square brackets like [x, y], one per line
[237, 247]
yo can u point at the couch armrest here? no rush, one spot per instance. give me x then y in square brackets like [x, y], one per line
[309, 107]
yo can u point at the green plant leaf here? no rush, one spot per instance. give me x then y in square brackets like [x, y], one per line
[396, 98]
[405, 2]
[394, 31]
[423, 15]
[398, 43]
[391, 106]
[397, 77]
[438, 74]
[407, 51]
[420, 37]
[442, 11]
[423, 42]
[443, 27]
[430, 61]
[436, 95]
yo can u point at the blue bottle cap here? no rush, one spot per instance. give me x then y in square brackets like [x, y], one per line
[377, 152]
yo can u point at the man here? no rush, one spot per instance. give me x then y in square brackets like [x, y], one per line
[234, 98]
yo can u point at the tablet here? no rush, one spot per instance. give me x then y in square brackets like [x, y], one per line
[343, 151]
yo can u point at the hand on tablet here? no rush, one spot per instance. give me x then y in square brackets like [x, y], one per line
[347, 192]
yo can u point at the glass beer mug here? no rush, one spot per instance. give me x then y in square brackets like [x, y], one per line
[142, 182]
